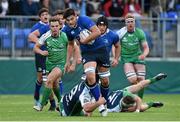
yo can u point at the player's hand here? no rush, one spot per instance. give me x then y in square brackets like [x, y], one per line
[72, 68]
[142, 57]
[67, 67]
[114, 62]
[101, 101]
[44, 53]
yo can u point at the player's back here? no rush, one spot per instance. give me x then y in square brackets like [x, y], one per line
[113, 102]
[71, 101]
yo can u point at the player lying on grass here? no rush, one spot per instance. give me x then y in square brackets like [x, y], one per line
[126, 100]
[80, 102]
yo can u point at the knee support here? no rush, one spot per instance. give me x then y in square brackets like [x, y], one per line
[90, 69]
[104, 74]
[131, 74]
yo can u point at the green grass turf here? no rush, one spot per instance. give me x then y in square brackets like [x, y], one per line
[19, 108]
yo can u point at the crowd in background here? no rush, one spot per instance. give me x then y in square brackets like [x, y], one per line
[92, 8]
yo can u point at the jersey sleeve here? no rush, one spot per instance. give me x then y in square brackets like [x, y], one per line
[115, 39]
[44, 29]
[122, 32]
[127, 93]
[43, 38]
[142, 36]
[86, 22]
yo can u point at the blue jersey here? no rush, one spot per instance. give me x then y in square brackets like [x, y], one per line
[73, 102]
[110, 38]
[38, 25]
[44, 29]
[113, 102]
[83, 23]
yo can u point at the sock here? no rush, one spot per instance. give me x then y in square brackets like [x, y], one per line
[153, 80]
[53, 103]
[150, 104]
[141, 93]
[46, 94]
[95, 90]
[61, 87]
[57, 93]
[37, 90]
[104, 92]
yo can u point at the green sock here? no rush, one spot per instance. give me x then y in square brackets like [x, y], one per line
[150, 104]
[57, 93]
[46, 94]
[141, 93]
[153, 80]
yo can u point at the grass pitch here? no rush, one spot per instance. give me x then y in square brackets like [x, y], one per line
[19, 108]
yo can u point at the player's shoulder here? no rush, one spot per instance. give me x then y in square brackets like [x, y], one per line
[139, 30]
[122, 32]
[46, 35]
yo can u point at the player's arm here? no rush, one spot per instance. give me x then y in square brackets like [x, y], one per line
[75, 59]
[39, 43]
[70, 51]
[91, 106]
[95, 32]
[33, 36]
[145, 50]
[116, 54]
[138, 102]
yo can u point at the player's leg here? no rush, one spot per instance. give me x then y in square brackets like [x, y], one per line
[38, 83]
[141, 73]
[144, 83]
[149, 105]
[89, 69]
[130, 73]
[104, 74]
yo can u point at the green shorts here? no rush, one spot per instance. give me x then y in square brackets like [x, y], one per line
[50, 66]
[133, 60]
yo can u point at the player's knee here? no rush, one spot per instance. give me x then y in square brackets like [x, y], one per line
[132, 77]
[91, 79]
[90, 75]
[141, 75]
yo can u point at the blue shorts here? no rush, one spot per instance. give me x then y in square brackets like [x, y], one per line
[100, 56]
[40, 61]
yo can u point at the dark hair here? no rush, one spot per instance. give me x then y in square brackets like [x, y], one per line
[54, 19]
[58, 12]
[42, 10]
[68, 12]
[102, 21]
[129, 100]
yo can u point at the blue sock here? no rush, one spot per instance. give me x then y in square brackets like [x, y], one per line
[95, 90]
[37, 90]
[53, 103]
[61, 87]
[104, 92]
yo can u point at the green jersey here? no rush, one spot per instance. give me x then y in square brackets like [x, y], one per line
[56, 47]
[131, 43]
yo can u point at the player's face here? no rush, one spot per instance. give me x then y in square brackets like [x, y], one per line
[102, 28]
[55, 27]
[61, 19]
[44, 17]
[71, 21]
[130, 23]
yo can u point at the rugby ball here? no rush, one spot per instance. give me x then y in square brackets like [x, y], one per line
[84, 34]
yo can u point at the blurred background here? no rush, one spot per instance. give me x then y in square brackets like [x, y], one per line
[160, 20]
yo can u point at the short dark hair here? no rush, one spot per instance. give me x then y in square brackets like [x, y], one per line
[58, 12]
[128, 100]
[42, 10]
[68, 12]
[102, 21]
[54, 19]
